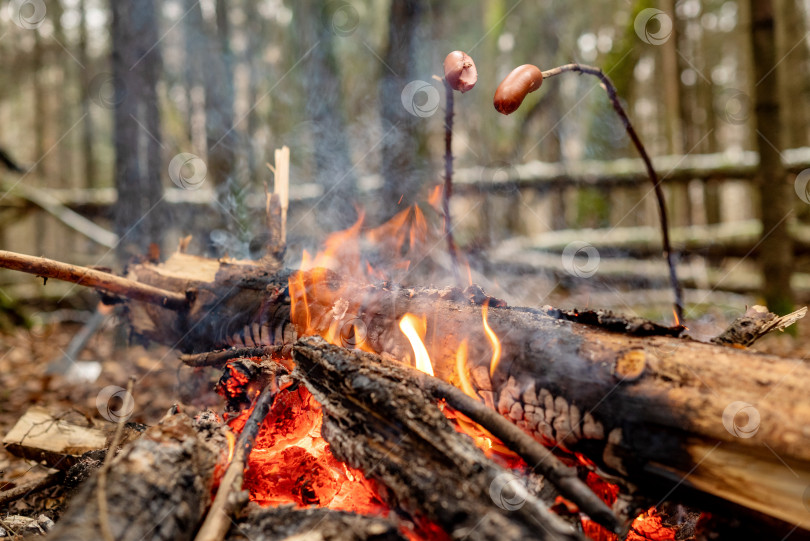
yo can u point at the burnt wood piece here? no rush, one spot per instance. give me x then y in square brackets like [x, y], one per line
[221, 357]
[378, 423]
[755, 323]
[289, 524]
[158, 488]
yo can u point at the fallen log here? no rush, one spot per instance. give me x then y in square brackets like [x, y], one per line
[158, 487]
[635, 405]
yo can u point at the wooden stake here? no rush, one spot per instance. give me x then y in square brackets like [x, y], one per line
[281, 186]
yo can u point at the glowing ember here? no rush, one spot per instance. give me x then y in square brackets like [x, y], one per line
[408, 325]
[291, 462]
[493, 339]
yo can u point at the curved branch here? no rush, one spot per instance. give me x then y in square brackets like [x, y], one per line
[607, 84]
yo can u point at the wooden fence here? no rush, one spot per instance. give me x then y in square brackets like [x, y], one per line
[531, 208]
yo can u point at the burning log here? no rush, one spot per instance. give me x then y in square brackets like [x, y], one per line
[378, 423]
[157, 488]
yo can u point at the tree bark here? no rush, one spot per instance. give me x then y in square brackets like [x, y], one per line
[221, 135]
[792, 49]
[88, 157]
[775, 191]
[140, 218]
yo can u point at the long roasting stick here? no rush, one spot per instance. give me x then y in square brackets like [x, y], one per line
[85, 276]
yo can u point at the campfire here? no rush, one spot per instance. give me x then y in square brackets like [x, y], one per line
[353, 403]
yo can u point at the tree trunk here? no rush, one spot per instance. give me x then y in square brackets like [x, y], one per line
[88, 158]
[794, 55]
[403, 165]
[222, 137]
[324, 106]
[140, 218]
[776, 193]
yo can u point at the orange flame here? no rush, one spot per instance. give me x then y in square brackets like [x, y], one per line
[493, 339]
[463, 373]
[408, 325]
[435, 197]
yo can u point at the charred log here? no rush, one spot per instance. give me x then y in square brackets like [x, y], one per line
[395, 435]
[157, 488]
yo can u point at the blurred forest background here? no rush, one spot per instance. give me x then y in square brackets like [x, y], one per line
[97, 98]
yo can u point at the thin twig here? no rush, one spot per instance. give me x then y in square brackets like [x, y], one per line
[607, 84]
[532, 452]
[85, 276]
[448, 181]
[218, 520]
[14, 494]
[103, 510]
[219, 358]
